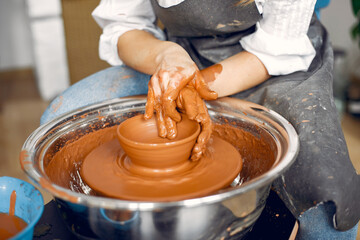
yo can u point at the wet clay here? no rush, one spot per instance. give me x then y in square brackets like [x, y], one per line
[190, 102]
[210, 73]
[256, 147]
[10, 224]
[184, 93]
[146, 167]
[164, 87]
[153, 154]
[12, 203]
[62, 163]
[187, 180]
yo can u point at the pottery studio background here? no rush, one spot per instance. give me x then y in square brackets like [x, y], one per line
[47, 45]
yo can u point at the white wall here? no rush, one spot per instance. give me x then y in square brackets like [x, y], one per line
[32, 35]
[339, 18]
[49, 49]
[15, 36]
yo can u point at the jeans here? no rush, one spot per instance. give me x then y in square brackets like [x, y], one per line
[122, 81]
[317, 224]
[110, 83]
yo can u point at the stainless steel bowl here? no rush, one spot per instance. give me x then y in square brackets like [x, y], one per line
[228, 213]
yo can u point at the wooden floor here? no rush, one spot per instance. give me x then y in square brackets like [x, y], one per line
[21, 108]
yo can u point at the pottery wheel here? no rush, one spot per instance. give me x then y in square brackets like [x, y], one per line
[106, 171]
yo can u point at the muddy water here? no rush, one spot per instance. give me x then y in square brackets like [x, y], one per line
[10, 224]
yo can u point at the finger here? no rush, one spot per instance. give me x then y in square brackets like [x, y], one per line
[197, 152]
[196, 109]
[150, 102]
[206, 129]
[154, 92]
[179, 81]
[200, 146]
[179, 102]
[188, 101]
[170, 109]
[170, 128]
[206, 93]
[196, 155]
[171, 94]
[203, 89]
[160, 121]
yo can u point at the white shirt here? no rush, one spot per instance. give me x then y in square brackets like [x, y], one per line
[280, 40]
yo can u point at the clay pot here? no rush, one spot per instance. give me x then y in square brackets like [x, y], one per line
[149, 153]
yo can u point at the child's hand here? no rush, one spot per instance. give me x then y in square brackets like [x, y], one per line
[171, 76]
[175, 70]
[190, 102]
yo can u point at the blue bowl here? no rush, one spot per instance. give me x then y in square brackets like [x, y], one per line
[29, 203]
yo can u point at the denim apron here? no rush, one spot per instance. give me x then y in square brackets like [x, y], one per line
[210, 31]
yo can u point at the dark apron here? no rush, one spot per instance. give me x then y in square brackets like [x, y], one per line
[210, 31]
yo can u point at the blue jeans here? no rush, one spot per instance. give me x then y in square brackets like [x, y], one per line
[122, 81]
[317, 224]
[108, 84]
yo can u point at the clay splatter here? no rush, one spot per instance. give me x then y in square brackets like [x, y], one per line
[127, 76]
[23, 159]
[303, 121]
[57, 105]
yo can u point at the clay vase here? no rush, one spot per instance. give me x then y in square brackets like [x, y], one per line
[150, 154]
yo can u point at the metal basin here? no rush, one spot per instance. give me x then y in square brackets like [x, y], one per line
[226, 214]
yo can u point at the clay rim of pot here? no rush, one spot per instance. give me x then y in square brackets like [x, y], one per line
[195, 131]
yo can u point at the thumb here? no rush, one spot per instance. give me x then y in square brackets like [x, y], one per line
[203, 89]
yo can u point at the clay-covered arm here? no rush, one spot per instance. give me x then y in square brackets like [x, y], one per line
[235, 74]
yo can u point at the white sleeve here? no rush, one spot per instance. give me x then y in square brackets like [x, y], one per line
[280, 40]
[116, 17]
